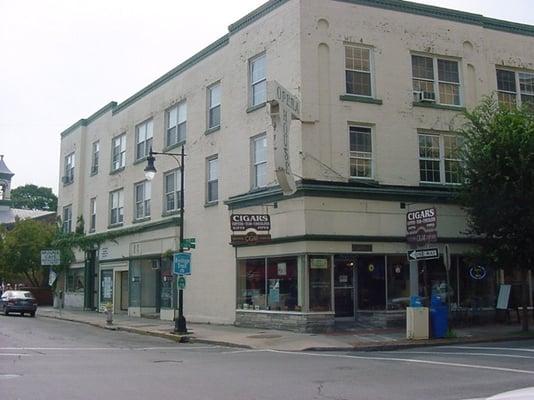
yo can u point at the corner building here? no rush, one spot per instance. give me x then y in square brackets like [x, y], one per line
[383, 85]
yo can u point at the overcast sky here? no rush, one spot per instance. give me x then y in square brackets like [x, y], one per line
[61, 60]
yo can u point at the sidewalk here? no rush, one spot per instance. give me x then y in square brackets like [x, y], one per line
[348, 339]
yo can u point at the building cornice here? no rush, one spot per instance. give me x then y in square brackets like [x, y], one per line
[86, 121]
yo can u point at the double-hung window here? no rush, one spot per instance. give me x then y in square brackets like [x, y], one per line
[176, 120]
[92, 214]
[118, 152]
[172, 181]
[214, 106]
[258, 80]
[259, 161]
[67, 219]
[143, 139]
[212, 179]
[361, 152]
[436, 80]
[508, 83]
[142, 200]
[95, 156]
[439, 159]
[69, 169]
[116, 214]
[358, 77]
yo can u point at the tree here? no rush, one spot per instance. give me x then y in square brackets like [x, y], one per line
[21, 250]
[32, 197]
[498, 191]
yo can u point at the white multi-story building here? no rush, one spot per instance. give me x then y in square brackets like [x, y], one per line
[382, 84]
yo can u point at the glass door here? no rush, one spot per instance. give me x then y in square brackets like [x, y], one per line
[344, 285]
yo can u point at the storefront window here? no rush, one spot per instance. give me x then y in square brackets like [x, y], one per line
[477, 284]
[320, 283]
[371, 283]
[166, 283]
[144, 289]
[282, 284]
[398, 278]
[135, 284]
[106, 286]
[76, 280]
[251, 284]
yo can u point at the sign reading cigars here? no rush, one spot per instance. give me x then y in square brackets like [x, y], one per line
[421, 226]
[252, 223]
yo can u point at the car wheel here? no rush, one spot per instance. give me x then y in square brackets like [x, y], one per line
[32, 314]
[22, 314]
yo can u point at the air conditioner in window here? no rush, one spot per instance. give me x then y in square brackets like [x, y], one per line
[66, 179]
[424, 97]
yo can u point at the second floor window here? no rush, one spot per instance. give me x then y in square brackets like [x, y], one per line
[212, 186]
[361, 152]
[143, 139]
[439, 159]
[259, 161]
[118, 152]
[92, 215]
[116, 215]
[358, 71]
[69, 169]
[142, 200]
[95, 156]
[176, 124]
[172, 191]
[258, 80]
[67, 219]
[442, 87]
[214, 106]
[515, 88]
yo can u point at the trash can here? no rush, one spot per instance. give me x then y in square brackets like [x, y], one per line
[439, 317]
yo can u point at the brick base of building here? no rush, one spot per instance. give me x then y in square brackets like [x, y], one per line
[320, 322]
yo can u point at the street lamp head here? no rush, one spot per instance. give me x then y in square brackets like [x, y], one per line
[150, 169]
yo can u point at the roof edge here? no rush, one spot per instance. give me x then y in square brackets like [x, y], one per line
[86, 121]
[254, 15]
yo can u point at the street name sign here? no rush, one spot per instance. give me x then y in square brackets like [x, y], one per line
[50, 257]
[182, 264]
[423, 254]
[190, 243]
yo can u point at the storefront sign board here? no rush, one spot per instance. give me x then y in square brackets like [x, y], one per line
[421, 219]
[244, 222]
[182, 264]
[250, 238]
[423, 254]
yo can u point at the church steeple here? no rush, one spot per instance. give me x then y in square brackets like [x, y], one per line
[5, 183]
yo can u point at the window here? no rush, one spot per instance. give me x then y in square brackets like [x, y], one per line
[95, 154]
[143, 139]
[75, 280]
[259, 161]
[439, 158]
[172, 191]
[361, 153]
[176, 118]
[92, 214]
[212, 190]
[507, 84]
[258, 81]
[142, 200]
[118, 152]
[358, 71]
[214, 106]
[67, 219]
[443, 88]
[117, 207]
[69, 169]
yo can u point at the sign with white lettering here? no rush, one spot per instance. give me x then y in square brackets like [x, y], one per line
[423, 254]
[425, 219]
[283, 108]
[182, 263]
[243, 222]
[50, 257]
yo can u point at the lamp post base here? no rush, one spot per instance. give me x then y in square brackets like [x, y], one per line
[180, 325]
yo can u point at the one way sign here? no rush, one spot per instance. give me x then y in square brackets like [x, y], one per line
[423, 254]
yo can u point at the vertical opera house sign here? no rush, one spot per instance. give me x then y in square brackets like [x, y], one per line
[283, 108]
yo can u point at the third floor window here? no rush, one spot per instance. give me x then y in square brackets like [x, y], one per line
[143, 139]
[436, 80]
[258, 80]
[176, 124]
[214, 106]
[515, 88]
[358, 71]
[95, 156]
[118, 152]
[69, 169]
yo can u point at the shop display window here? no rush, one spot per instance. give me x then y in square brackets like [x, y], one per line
[282, 288]
[371, 283]
[320, 283]
[166, 283]
[251, 284]
[75, 280]
[477, 284]
[398, 278]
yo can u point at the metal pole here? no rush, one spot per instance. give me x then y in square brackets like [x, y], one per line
[180, 322]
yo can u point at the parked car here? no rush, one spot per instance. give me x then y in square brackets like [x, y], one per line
[19, 301]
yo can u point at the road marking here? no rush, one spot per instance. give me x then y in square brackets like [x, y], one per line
[463, 354]
[490, 348]
[14, 355]
[9, 376]
[101, 348]
[406, 360]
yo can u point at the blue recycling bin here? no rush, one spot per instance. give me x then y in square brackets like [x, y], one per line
[439, 318]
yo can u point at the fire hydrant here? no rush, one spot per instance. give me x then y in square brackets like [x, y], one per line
[108, 310]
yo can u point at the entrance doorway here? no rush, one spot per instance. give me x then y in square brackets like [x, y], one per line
[123, 290]
[344, 286]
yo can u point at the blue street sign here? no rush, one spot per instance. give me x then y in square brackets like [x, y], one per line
[182, 264]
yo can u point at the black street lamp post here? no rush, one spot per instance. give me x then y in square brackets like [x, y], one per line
[180, 325]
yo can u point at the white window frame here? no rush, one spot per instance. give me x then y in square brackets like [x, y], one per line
[70, 161]
[256, 164]
[361, 155]
[211, 180]
[92, 214]
[67, 219]
[262, 81]
[173, 194]
[441, 159]
[144, 132]
[213, 106]
[95, 157]
[518, 92]
[436, 81]
[118, 160]
[176, 129]
[142, 204]
[116, 202]
[370, 72]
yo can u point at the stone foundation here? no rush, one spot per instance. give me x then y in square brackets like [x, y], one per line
[287, 321]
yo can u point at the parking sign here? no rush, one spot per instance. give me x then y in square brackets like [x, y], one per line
[182, 264]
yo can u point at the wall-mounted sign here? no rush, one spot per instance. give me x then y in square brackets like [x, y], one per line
[250, 238]
[318, 263]
[426, 219]
[283, 108]
[244, 222]
[282, 269]
[422, 237]
[477, 272]
[50, 257]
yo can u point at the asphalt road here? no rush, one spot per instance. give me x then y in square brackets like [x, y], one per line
[50, 359]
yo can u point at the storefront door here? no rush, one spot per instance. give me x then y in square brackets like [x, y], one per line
[344, 288]
[124, 291]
